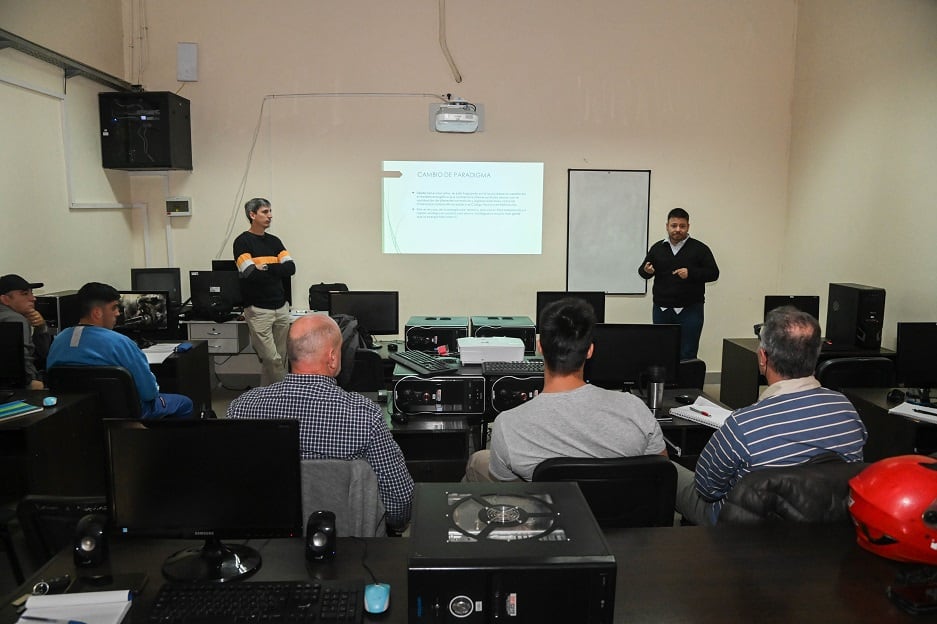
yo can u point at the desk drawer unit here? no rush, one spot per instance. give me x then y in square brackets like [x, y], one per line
[221, 337]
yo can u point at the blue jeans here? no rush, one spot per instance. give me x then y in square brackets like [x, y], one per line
[690, 321]
[168, 406]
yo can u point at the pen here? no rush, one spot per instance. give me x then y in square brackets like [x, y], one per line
[924, 412]
[699, 411]
[36, 618]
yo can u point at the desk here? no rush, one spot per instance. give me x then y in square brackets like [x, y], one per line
[187, 373]
[784, 574]
[738, 386]
[59, 450]
[889, 435]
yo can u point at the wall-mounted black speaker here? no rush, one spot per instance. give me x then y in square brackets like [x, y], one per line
[90, 546]
[320, 536]
[149, 130]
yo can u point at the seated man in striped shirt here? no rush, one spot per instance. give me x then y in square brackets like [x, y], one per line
[793, 420]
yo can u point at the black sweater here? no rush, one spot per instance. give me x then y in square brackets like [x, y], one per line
[263, 289]
[669, 290]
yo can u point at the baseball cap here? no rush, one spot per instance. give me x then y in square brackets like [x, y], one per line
[15, 282]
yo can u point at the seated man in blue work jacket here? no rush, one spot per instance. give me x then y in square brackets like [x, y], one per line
[93, 342]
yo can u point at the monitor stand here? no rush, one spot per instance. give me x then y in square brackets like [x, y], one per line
[214, 562]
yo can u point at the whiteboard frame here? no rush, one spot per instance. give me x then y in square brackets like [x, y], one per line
[607, 229]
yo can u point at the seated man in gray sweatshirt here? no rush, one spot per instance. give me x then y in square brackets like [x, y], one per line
[570, 418]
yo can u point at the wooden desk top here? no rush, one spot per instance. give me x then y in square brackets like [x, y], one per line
[786, 573]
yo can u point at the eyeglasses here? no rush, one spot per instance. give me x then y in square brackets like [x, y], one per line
[757, 329]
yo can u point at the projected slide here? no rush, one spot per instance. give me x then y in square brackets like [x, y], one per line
[462, 207]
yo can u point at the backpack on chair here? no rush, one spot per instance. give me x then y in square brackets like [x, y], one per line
[353, 338]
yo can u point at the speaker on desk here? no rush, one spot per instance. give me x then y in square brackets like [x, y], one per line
[320, 536]
[90, 546]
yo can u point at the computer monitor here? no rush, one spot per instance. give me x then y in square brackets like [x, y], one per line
[377, 311]
[917, 345]
[595, 298]
[224, 265]
[805, 303]
[167, 279]
[205, 479]
[12, 356]
[231, 265]
[211, 290]
[143, 311]
[622, 354]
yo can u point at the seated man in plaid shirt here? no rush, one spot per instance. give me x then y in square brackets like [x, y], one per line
[333, 423]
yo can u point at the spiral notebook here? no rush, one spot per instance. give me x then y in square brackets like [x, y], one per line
[11, 410]
[702, 411]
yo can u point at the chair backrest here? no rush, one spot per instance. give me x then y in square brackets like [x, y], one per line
[813, 492]
[48, 522]
[691, 373]
[856, 372]
[112, 385]
[347, 488]
[368, 373]
[621, 491]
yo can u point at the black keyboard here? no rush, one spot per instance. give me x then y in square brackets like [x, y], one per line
[525, 367]
[286, 602]
[423, 363]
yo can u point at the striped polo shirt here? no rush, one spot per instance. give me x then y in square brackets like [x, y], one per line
[781, 430]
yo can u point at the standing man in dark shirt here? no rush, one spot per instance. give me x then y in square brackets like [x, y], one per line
[680, 266]
[263, 262]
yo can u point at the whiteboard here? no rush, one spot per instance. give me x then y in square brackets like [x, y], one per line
[607, 230]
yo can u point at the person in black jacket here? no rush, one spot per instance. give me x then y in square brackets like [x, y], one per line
[680, 266]
[262, 263]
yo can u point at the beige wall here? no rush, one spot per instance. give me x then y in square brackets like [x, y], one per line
[863, 150]
[49, 130]
[698, 92]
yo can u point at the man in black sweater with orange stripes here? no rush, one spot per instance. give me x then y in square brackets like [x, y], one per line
[680, 266]
[263, 262]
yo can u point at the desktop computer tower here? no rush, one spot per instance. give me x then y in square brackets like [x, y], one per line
[510, 326]
[855, 315]
[429, 333]
[145, 131]
[59, 309]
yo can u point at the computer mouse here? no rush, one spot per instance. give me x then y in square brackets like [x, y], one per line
[376, 597]
[895, 396]
[392, 346]
[685, 399]
[49, 401]
[399, 418]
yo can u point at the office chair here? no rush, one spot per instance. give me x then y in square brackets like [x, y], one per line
[813, 492]
[112, 385]
[6, 539]
[368, 372]
[856, 372]
[48, 522]
[621, 491]
[347, 488]
[691, 373]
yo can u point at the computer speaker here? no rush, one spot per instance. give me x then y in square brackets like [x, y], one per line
[320, 536]
[90, 548]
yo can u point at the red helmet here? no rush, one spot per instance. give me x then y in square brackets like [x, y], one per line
[893, 503]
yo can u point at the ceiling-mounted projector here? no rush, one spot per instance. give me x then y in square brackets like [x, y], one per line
[456, 116]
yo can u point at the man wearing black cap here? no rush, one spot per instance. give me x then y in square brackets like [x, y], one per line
[18, 305]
